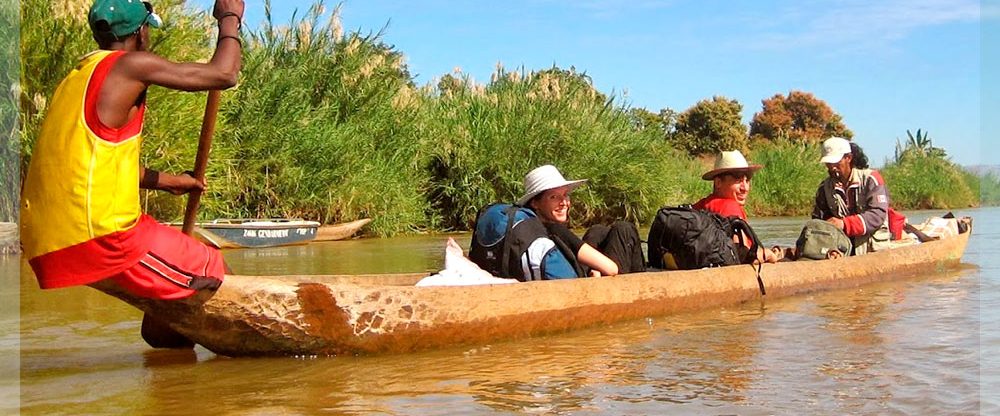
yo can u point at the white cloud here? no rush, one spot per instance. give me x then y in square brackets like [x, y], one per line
[855, 24]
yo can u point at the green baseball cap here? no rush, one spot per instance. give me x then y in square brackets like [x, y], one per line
[121, 17]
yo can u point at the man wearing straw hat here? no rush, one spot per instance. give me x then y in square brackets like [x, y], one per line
[731, 179]
[81, 220]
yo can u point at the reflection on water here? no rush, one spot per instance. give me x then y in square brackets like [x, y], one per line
[906, 347]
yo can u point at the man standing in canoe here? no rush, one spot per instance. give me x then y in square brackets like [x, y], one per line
[81, 221]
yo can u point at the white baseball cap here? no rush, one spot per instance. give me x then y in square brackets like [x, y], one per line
[834, 149]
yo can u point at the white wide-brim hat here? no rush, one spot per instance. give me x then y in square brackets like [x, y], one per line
[834, 149]
[730, 161]
[542, 179]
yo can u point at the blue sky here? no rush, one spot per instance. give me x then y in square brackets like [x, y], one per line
[884, 66]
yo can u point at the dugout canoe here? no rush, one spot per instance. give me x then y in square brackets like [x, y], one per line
[371, 314]
[253, 233]
[340, 231]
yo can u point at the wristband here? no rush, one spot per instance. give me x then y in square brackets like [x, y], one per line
[239, 20]
[149, 179]
[230, 37]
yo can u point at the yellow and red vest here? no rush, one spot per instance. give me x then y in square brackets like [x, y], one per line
[80, 216]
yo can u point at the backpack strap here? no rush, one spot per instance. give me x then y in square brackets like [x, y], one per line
[740, 227]
[507, 241]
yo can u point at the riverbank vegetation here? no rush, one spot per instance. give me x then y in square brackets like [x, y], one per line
[9, 150]
[330, 125]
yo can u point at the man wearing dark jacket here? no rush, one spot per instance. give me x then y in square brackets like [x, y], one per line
[853, 198]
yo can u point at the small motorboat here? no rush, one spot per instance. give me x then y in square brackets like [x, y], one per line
[246, 233]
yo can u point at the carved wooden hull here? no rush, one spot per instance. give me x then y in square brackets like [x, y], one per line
[340, 231]
[368, 314]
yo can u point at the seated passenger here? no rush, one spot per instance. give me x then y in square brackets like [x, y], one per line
[853, 198]
[731, 179]
[605, 250]
[531, 240]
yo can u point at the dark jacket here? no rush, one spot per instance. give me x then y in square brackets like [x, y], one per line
[864, 207]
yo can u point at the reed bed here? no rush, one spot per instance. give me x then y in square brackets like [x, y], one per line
[487, 137]
[329, 126]
[788, 182]
[924, 182]
[323, 126]
[9, 92]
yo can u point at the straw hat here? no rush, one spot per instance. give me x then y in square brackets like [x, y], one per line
[834, 149]
[542, 179]
[731, 161]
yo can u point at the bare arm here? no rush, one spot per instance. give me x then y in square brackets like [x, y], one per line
[596, 260]
[220, 72]
[128, 79]
[175, 184]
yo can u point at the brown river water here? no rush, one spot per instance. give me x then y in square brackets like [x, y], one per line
[927, 344]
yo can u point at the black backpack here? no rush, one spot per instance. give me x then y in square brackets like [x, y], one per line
[501, 241]
[698, 239]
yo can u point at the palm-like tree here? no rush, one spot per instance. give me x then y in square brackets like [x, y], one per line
[918, 145]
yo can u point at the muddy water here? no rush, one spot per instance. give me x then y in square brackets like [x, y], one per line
[925, 345]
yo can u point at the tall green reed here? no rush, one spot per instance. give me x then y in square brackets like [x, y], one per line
[986, 186]
[787, 184]
[487, 137]
[329, 125]
[9, 126]
[923, 182]
[322, 126]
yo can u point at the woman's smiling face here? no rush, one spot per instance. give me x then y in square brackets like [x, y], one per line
[552, 205]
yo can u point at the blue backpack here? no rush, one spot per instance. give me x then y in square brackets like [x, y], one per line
[511, 242]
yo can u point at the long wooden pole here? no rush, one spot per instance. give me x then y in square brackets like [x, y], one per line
[201, 160]
[155, 332]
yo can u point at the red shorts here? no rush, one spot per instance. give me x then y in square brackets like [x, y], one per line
[175, 267]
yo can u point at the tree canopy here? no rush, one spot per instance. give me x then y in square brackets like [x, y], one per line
[800, 118]
[710, 126]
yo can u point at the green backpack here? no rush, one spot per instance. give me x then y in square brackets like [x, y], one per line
[819, 237]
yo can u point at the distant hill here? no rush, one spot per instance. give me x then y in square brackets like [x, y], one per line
[982, 170]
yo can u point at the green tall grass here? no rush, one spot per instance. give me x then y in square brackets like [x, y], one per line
[924, 182]
[487, 137]
[323, 126]
[787, 184]
[9, 130]
[329, 126]
[987, 187]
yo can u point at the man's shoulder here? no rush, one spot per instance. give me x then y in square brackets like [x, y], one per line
[870, 176]
[725, 206]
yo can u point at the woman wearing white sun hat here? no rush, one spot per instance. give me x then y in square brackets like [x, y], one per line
[605, 250]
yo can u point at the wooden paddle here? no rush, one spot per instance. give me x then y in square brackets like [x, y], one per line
[155, 332]
[201, 159]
